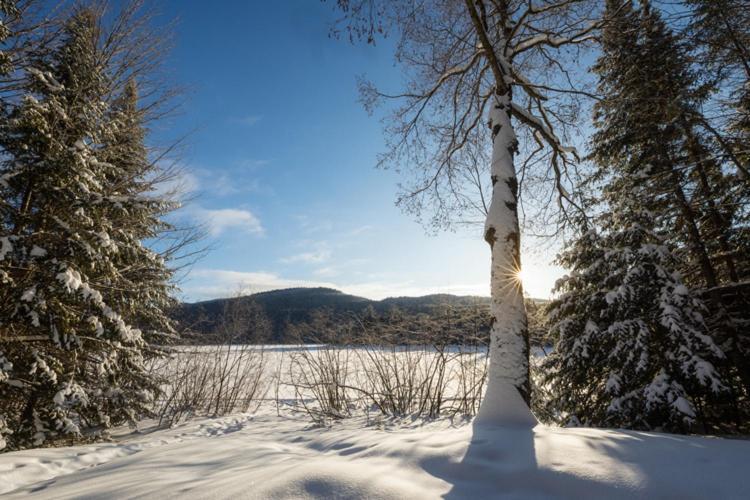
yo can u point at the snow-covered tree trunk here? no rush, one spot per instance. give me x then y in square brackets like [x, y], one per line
[476, 56]
[508, 389]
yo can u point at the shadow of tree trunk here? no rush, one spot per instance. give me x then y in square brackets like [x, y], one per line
[501, 462]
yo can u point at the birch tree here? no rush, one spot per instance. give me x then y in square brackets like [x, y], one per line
[488, 102]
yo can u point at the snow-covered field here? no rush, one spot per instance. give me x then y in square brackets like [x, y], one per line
[282, 455]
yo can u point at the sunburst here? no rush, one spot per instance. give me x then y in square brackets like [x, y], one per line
[511, 279]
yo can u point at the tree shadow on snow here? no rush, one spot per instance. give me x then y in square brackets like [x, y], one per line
[501, 462]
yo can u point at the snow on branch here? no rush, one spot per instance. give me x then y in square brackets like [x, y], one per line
[542, 127]
[46, 79]
[72, 281]
[555, 41]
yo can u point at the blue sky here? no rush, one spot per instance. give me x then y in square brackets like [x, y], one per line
[281, 159]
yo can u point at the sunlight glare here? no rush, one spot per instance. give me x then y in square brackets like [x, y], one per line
[522, 275]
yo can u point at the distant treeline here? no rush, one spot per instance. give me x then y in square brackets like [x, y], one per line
[321, 315]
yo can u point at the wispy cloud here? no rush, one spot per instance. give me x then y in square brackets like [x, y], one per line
[177, 187]
[215, 181]
[327, 272]
[252, 163]
[360, 230]
[224, 219]
[314, 257]
[341, 267]
[248, 120]
[313, 225]
[312, 252]
[226, 183]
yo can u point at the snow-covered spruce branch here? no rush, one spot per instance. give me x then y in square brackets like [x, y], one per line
[23, 338]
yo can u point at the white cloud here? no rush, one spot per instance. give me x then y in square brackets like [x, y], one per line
[223, 219]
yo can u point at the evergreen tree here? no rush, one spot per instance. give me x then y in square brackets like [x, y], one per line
[142, 281]
[7, 9]
[646, 128]
[721, 28]
[720, 31]
[633, 350]
[633, 344]
[649, 129]
[73, 224]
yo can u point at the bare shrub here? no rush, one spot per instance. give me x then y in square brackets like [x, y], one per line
[403, 380]
[320, 377]
[211, 381]
[320, 373]
[469, 373]
[398, 368]
[218, 379]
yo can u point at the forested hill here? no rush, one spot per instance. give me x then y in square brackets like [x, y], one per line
[272, 313]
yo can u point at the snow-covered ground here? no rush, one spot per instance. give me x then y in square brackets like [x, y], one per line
[269, 456]
[278, 453]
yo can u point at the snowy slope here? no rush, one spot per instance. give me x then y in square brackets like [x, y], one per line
[266, 456]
